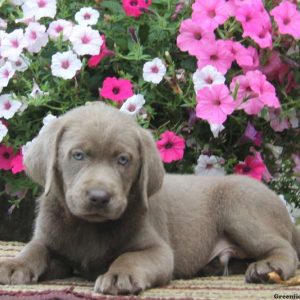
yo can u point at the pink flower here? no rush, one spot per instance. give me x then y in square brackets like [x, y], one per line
[214, 104]
[272, 66]
[255, 60]
[193, 36]
[215, 53]
[211, 13]
[6, 156]
[287, 18]
[278, 122]
[251, 134]
[134, 8]
[115, 89]
[94, 61]
[252, 167]
[170, 146]
[17, 165]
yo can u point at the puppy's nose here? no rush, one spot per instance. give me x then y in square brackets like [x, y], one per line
[99, 197]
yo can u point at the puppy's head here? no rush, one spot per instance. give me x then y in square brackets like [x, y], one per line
[97, 159]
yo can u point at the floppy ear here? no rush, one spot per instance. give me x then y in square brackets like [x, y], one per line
[152, 170]
[40, 158]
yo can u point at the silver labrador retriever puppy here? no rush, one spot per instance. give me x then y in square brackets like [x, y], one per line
[109, 212]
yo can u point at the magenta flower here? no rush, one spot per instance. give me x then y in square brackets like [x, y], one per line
[17, 165]
[251, 134]
[6, 156]
[95, 60]
[116, 90]
[214, 104]
[252, 167]
[192, 36]
[287, 18]
[170, 146]
[216, 54]
[134, 8]
[211, 13]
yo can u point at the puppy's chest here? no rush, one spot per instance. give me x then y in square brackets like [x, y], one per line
[88, 251]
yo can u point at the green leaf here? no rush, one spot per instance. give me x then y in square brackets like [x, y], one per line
[113, 6]
[2, 2]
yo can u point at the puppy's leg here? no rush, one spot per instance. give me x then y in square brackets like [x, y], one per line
[273, 252]
[26, 267]
[133, 272]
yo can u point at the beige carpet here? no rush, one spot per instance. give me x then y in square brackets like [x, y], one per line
[214, 288]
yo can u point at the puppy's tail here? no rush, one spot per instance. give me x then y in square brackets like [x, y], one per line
[296, 239]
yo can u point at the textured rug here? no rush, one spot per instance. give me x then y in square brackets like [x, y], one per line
[205, 288]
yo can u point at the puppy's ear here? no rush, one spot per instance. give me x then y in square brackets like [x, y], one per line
[40, 158]
[152, 170]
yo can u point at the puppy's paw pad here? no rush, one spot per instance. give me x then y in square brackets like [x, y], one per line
[15, 272]
[118, 284]
[258, 272]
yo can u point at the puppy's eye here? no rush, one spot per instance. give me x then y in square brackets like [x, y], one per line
[123, 160]
[78, 155]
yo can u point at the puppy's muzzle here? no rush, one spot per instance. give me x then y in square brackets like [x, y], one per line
[99, 198]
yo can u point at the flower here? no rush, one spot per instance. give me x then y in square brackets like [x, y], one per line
[170, 146]
[192, 36]
[6, 155]
[216, 54]
[216, 129]
[207, 77]
[85, 40]
[59, 28]
[154, 70]
[65, 64]
[36, 36]
[21, 64]
[6, 73]
[104, 51]
[241, 54]
[252, 167]
[16, 163]
[3, 131]
[36, 91]
[211, 13]
[13, 44]
[133, 105]
[252, 134]
[87, 16]
[8, 106]
[134, 8]
[209, 166]
[38, 9]
[116, 89]
[287, 18]
[214, 104]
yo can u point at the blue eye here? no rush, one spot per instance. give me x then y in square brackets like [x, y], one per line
[78, 155]
[123, 160]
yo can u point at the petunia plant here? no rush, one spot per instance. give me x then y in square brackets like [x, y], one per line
[217, 82]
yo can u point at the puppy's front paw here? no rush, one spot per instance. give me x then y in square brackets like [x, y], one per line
[119, 284]
[13, 271]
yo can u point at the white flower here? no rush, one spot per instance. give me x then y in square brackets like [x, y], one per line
[86, 40]
[206, 77]
[21, 64]
[3, 131]
[65, 65]
[209, 165]
[87, 16]
[8, 106]
[133, 104]
[13, 44]
[36, 36]
[276, 150]
[216, 129]
[154, 70]
[60, 27]
[6, 73]
[36, 91]
[3, 24]
[39, 9]
[290, 208]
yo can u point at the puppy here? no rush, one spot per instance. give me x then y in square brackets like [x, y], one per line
[109, 213]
